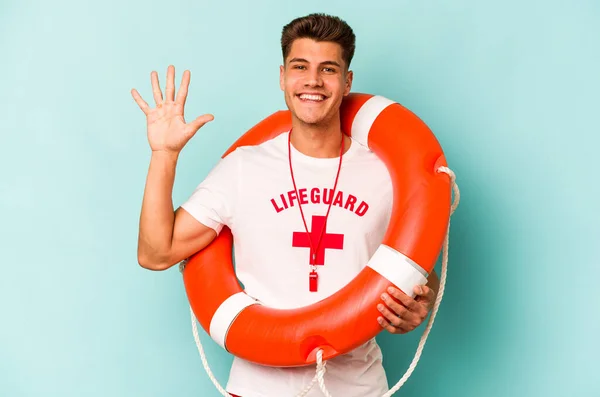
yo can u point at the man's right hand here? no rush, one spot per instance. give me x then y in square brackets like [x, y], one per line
[167, 129]
[167, 236]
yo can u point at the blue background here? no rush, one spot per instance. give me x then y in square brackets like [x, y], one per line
[510, 88]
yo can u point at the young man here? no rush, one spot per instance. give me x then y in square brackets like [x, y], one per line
[311, 199]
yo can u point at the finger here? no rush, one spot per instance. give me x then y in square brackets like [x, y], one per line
[183, 88]
[392, 318]
[404, 299]
[195, 125]
[424, 293]
[399, 309]
[170, 90]
[389, 327]
[141, 103]
[156, 92]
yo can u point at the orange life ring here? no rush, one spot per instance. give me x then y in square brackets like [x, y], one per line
[348, 318]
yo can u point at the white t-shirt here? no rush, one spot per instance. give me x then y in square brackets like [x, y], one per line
[251, 191]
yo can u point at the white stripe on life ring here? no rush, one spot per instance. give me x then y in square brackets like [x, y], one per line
[400, 270]
[226, 314]
[365, 117]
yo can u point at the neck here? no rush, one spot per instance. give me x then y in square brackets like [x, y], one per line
[318, 141]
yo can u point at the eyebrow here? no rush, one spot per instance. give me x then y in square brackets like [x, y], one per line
[322, 63]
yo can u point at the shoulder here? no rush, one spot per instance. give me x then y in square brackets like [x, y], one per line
[269, 149]
[365, 157]
[371, 172]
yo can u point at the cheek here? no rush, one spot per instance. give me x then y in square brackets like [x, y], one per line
[335, 86]
[290, 85]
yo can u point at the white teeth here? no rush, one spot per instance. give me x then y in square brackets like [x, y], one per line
[312, 97]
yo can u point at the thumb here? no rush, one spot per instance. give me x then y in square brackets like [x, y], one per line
[195, 125]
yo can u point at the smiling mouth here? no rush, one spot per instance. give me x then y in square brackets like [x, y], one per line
[311, 98]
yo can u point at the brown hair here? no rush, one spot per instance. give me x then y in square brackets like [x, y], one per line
[319, 27]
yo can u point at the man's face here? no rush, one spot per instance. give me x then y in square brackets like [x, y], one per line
[314, 81]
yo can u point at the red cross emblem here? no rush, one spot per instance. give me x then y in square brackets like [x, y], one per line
[332, 241]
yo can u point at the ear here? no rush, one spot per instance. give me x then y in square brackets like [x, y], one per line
[348, 82]
[281, 70]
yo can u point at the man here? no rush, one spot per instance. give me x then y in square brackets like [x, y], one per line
[310, 202]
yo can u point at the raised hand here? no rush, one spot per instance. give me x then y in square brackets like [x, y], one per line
[167, 129]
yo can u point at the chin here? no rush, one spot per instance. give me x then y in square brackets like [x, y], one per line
[313, 121]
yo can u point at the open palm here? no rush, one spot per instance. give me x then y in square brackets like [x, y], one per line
[167, 129]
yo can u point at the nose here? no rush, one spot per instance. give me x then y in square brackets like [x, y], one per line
[313, 79]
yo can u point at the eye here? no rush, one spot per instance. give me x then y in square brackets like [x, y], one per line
[298, 66]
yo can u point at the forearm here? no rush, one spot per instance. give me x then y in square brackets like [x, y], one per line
[157, 215]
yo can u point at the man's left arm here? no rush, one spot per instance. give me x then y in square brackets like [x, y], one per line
[401, 313]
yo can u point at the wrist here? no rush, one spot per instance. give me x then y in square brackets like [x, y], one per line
[169, 155]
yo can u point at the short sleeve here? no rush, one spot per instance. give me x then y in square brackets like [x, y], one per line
[212, 203]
